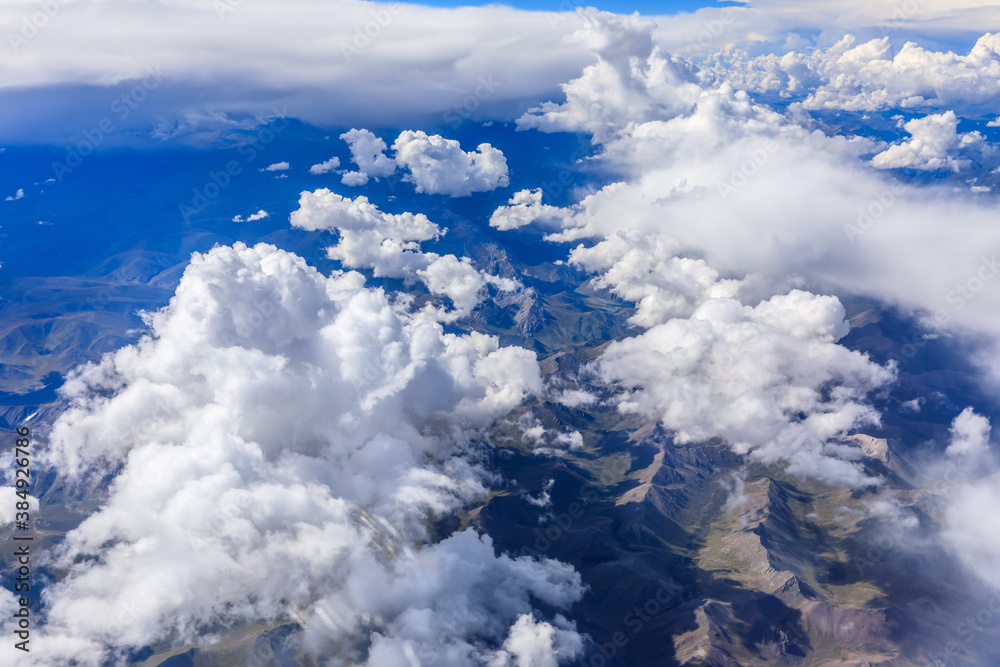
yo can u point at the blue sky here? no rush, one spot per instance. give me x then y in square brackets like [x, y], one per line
[617, 6]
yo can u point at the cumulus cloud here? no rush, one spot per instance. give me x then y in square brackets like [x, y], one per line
[368, 153]
[572, 439]
[871, 76]
[524, 208]
[770, 380]
[933, 141]
[17, 195]
[643, 268]
[267, 417]
[725, 179]
[277, 166]
[534, 644]
[369, 238]
[354, 178]
[325, 167]
[970, 434]
[253, 217]
[439, 166]
[389, 244]
[544, 441]
[572, 398]
[432, 628]
[632, 82]
[435, 165]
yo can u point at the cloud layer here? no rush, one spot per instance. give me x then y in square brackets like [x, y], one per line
[770, 381]
[389, 245]
[279, 438]
[768, 197]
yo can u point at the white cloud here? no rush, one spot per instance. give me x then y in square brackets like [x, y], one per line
[439, 166]
[432, 628]
[277, 166]
[436, 165]
[266, 408]
[354, 178]
[870, 76]
[573, 398]
[644, 269]
[970, 434]
[389, 244]
[617, 90]
[544, 499]
[782, 23]
[368, 153]
[524, 208]
[209, 70]
[210, 73]
[972, 531]
[769, 380]
[259, 215]
[572, 439]
[455, 278]
[8, 504]
[534, 644]
[730, 182]
[17, 195]
[930, 147]
[325, 167]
